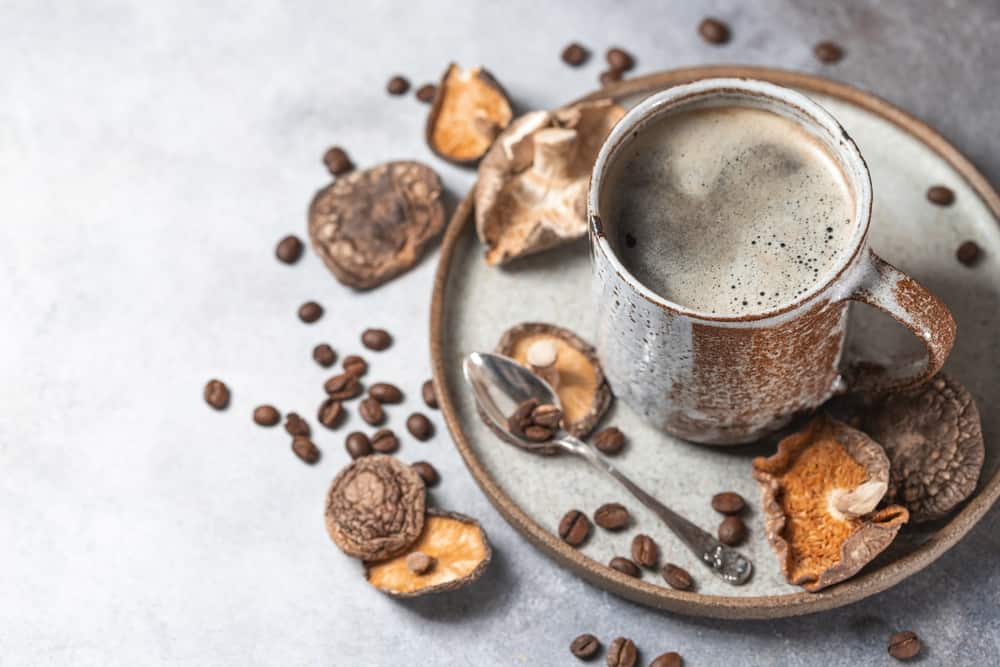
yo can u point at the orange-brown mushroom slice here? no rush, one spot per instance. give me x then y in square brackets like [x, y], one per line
[469, 111]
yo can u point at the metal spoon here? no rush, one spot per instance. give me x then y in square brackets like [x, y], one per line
[494, 378]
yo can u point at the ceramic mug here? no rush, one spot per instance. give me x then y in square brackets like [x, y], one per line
[721, 379]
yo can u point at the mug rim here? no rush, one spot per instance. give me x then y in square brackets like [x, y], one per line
[665, 101]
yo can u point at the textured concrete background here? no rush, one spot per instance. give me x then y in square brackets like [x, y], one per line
[150, 158]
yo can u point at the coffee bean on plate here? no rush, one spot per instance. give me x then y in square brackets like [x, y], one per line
[310, 311]
[625, 566]
[289, 249]
[427, 472]
[940, 195]
[585, 646]
[324, 355]
[732, 531]
[384, 441]
[383, 392]
[619, 59]
[677, 577]
[355, 365]
[371, 411]
[714, 31]
[305, 449]
[420, 563]
[217, 394]
[376, 339]
[343, 386]
[337, 161]
[419, 426]
[296, 425]
[429, 394]
[266, 415]
[644, 551]
[397, 85]
[574, 54]
[330, 412]
[828, 52]
[728, 502]
[611, 516]
[426, 93]
[904, 645]
[357, 445]
[610, 76]
[968, 253]
[622, 653]
[670, 659]
[610, 440]
[574, 528]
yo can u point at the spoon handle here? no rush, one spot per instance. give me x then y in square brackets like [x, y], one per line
[730, 564]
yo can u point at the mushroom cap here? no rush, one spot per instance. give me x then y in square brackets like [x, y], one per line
[469, 110]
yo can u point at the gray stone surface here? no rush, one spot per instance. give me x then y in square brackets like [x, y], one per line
[152, 155]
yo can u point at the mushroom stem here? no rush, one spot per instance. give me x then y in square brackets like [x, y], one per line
[864, 499]
[541, 357]
[555, 150]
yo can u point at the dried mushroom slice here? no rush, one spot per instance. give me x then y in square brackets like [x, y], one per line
[532, 189]
[583, 392]
[370, 226]
[820, 493]
[375, 508]
[470, 109]
[454, 550]
[934, 441]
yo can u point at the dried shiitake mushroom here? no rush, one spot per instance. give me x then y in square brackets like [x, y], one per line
[470, 109]
[820, 493]
[584, 395]
[375, 508]
[532, 189]
[455, 551]
[370, 226]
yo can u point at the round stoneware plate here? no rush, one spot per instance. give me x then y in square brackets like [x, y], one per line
[474, 303]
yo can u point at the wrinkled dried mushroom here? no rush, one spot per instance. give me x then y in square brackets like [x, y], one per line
[454, 544]
[820, 492]
[583, 393]
[470, 110]
[375, 508]
[532, 189]
[370, 226]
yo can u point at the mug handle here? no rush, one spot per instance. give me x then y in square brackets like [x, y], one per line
[885, 287]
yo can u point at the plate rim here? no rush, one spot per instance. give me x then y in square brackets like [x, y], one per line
[661, 597]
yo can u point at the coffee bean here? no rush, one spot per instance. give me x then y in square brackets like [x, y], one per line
[574, 528]
[677, 577]
[383, 392]
[521, 418]
[324, 355]
[968, 253]
[732, 531]
[330, 412]
[670, 659]
[217, 394]
[420, 563]
[337, 161]
[426, 93]
[828, 52]
[296, 425]
[904, 645]
[289, 249]
[610, 440]
[305, 449]
[619, 59]
[546, 415]
[419, 426]
[357, 445]
[384, 441]
[610, 76]
[427, 472]
[622, 653]
[310, 311]
[429, 394]
[397, 85]
[714, 31]
[355, 365]
[266, 415]
[574, 55]
[371, 411]
[644, 551]
[611, 516]
[728, 502]
[625, 566]
[941, 195]
[343, 386]
[585, 646]
[536, 433]
[376, 339]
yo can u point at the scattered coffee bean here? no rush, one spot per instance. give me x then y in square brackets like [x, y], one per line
[610, 76]
[357, 445]
[714, 31]
[828, 52]
[383, 392]
[426, 93]
[420, 563]
[355, 365]
[644, 551]
[940, 195]
[419, 426]
[677, 577]
[670, 659]
[397, 85]
[266, 415]
[310, 311]
[330, 412]
[546, 415]
[305, 449]
[622, 653]
[289, 249]
[968, 253]
[217, 394]
[376, 339]
[728, 502]
[343, 386]
[337, 161]
[429, 394]
[296, 425]
[384, 441]
[371, 411]
[611, 516]
[904, 645]
[574, 528]
[625, 566]
[619, 59]
[610, 440]
[732, 531]
[585, 646]
[324, 355]
[427, 472]
[575, 54]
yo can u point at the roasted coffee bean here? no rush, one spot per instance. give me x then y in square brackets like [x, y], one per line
[384, 441]
[371, 411]
[670, 659]
[429, 394]
[330, 412]
[343, 386]
[324, 355]
[714, 31]
[732, 531]
[828, 52]
[622, 653]
[610, 76]
[397, 85]
[574, 54]
[941, 195]
[546, 415]
[355, 365]
[383, 392]
[296, 425]
[728, 502]
[968, 253]
[266, 415]
[644, 551]
[585, 646]
[536, 433]
[427, 472]
[610, 440]
[625, 566]
[426, 93]
[419, 426]
[357, 445]
[305, 449]
[289, 249]
[310, 311]
[677, 577]
[337, 161]
[217, 394]
[521, 419]
[611, 516]
[619, 59]
[904, 645]
[420, 563]
[376, 339]
[574, 528]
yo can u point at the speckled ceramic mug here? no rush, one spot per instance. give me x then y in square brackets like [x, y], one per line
[721, 379]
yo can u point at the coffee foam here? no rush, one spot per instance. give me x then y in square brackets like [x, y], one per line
[728, 210]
